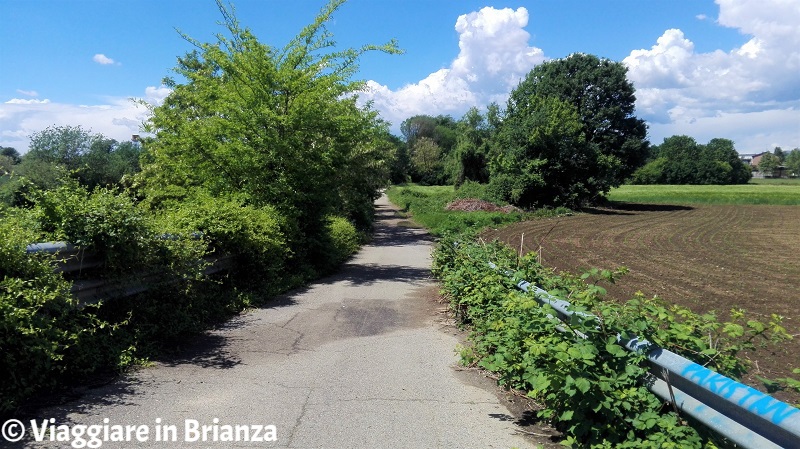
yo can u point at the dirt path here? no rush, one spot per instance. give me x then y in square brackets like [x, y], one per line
[362, 359]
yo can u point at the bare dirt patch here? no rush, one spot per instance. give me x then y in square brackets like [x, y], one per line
[701, 257]
[474, 204]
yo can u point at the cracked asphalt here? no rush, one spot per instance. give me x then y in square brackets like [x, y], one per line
[361, 359]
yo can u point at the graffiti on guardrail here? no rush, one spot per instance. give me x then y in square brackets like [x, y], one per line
[763, 405]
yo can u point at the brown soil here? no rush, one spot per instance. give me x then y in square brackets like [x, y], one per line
[706, 258]
[473, 204]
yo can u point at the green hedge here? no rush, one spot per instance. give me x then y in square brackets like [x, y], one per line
[49, 340]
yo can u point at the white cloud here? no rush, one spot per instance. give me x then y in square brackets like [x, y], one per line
[156, 95]
[752, 132]
[494, 55]
[24, 101]
[28, 93]
[726, 93]
[117, 118]
[102, 59]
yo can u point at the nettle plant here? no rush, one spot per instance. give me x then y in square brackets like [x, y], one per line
[591, 388]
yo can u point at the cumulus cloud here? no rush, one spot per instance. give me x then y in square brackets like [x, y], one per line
[156, 95]
[493, 56]
[103, 59]
[679, 89]
[117, 118]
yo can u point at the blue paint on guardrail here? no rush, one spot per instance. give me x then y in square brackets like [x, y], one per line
[781, 422]
[747, 397]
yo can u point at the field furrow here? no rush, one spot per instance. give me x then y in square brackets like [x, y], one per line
[704, 257]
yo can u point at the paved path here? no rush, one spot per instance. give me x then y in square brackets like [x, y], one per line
[358, 360]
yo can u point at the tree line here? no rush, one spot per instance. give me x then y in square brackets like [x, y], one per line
[282, 126]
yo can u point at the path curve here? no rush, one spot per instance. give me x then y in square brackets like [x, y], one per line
[360, 359]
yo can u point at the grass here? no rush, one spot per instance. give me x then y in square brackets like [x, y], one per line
[762, 191]
[426, 204]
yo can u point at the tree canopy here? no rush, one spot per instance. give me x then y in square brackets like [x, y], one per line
[568, 134]
[681, 160]
[274, 126]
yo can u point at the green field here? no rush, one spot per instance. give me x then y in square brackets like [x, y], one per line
[762, 191]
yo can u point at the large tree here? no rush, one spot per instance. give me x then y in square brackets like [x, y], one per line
[565, 164]
[276, 126]
[540, 156]
[604, 99]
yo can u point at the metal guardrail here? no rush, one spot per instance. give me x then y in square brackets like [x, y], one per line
[72, 259]
[742, 414]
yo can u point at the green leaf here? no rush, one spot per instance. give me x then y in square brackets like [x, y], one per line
[582, 384]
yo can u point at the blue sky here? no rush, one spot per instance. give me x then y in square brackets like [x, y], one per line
[729, 68]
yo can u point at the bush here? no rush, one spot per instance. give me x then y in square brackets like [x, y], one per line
[252, 234]
[50, 340]
[343, 237]
[40, 326]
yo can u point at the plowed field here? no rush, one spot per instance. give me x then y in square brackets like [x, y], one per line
[704, 257]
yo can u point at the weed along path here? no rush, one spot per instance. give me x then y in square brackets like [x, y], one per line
[362, 359]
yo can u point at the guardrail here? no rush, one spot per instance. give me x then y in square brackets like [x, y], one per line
[73, 260]
[742, 414]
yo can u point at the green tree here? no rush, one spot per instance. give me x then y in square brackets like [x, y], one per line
[769, 162]
[11, 153]
[6, 165]
[470, 156]
[442, 130]
[63, 145]
[681, 154]
[29, 175]
[426, 158]
[681, 160]
[724, 153]
[604, 100]
[780, 154]
[793, 162]
[108, 161]
[275, 126]
[540, 155]
[400, 165]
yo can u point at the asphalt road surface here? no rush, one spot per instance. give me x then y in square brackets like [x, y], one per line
[362, 359]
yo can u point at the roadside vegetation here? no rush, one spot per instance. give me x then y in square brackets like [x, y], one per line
[259, 153]
[590, 389]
